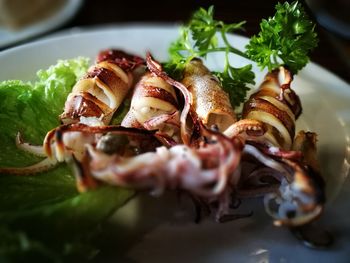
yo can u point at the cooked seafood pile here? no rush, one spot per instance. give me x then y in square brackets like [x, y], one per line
[184, 135]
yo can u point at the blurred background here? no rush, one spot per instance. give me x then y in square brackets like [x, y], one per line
[22, 21]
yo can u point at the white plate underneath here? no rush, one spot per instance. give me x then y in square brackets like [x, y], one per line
[151, 229]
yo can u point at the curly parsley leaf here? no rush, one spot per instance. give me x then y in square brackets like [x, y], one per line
[204, 28]
[285, 39]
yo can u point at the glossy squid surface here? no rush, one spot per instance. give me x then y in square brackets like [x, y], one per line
[210, 102]
[277, 106]
[102, 89]
[154, 106]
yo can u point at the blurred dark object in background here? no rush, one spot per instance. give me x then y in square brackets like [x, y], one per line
[333, 15]
[16, 14]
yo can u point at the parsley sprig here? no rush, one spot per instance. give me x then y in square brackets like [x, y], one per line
[284, 39]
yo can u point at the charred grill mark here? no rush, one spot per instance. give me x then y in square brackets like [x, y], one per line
[267, 91]
[47, 142]
[265, 106]
[109, 78]
[289, 97]
[293, 102]
[120, 58]
[277, 105]
[94, 72]
[85, 105]
[98, 93]
[156, 92]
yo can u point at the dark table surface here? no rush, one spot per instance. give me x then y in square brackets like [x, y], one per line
[332, 52]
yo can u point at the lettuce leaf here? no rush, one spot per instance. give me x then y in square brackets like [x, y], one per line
[45, 209]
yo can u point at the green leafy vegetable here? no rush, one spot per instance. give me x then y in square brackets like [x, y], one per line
[43, 215]
[284, 39]
[199, 38]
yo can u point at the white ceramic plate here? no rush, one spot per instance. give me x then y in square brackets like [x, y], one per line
[66, 12]
[160, 229]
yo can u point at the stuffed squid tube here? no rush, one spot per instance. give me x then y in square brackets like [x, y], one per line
[277, 106]
[154, 106]
[210, 101]
[103, 88]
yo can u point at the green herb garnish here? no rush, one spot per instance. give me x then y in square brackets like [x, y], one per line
[285, 39]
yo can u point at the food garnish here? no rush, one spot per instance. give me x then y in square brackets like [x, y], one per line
[284, 40]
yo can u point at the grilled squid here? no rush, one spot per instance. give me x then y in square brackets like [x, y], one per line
[156, 68]
[277, 106]
[210, 102]
[103, 88]
[154, 106]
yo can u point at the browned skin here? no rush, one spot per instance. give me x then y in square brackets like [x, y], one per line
[209, 98]
[266, 99]
[265, 106]
[113, 82]
[124, 60]
[306, 143]
[156, 68]
[155, 92]
[272, 77]
[85, 105]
